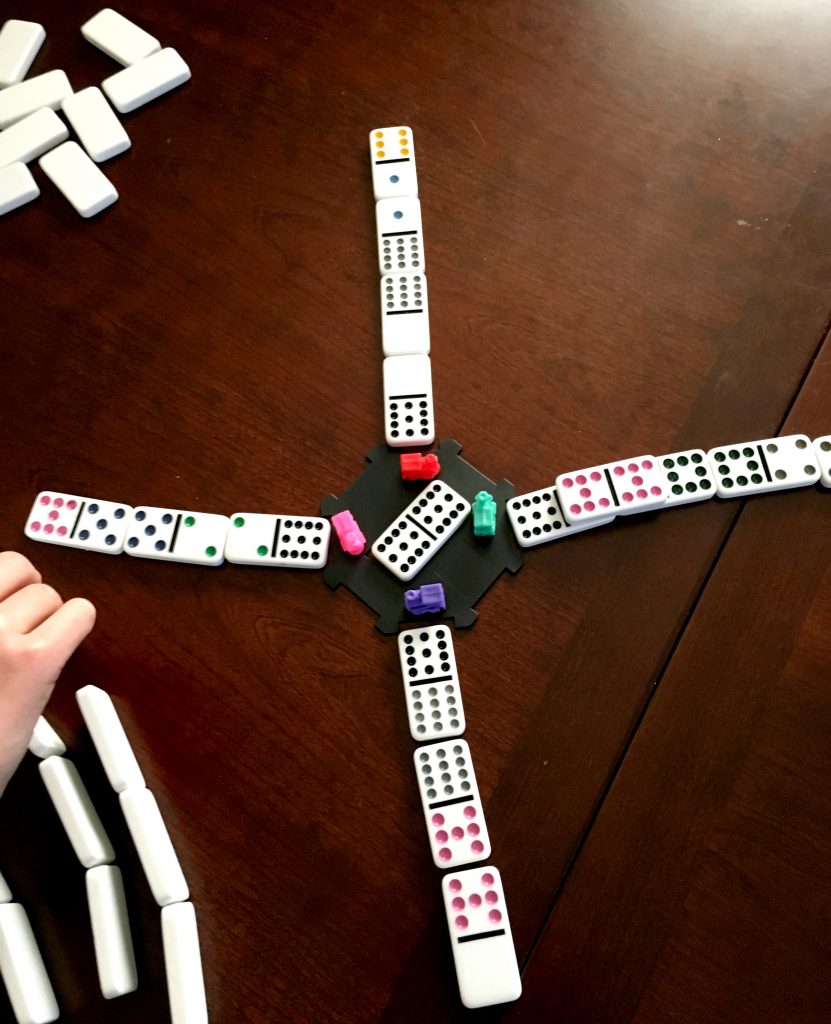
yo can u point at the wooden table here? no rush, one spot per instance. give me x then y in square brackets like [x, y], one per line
[627, 210]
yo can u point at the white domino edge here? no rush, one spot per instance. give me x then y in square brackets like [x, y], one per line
[134, 86]
[154, 847]
[17, 187]
[114, 953]
[101, 133]
[822, 451]
[183, 965]
[45, 742]
[119, 37]
[19, 45]
[5, 891]
[73, 173]
[23, 971]
[47, 90]
[78, 816]
[32, 137]
[110, 739]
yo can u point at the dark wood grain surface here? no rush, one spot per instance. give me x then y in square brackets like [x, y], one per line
[627, 209]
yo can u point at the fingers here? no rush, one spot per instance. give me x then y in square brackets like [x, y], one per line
[63, 631]
[26, 609]
[16, 572]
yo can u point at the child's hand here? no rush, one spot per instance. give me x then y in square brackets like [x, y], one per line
[38, 633]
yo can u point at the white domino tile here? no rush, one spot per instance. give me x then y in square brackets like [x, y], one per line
[405, 317]
[46, 90]
[5, 891]
[78, 816]
[537, 517]
[77, 522]
[452, 806]
[31, 137]
[17, 187]
[289, 542]
[152, 77]
[23, 970]
[408, 401]
[431, 683]
[175, 535]
[45, 742]
[154, 846]
[755, 467]
[689, 477]
[19, 45]
[183, 965]
[822, 452]
[101, 133]
[119, 37]
[400, 238]
[617, 488]
[392, 156]
[114, 954]
[110, 739]
[480, 934]
[83, 184]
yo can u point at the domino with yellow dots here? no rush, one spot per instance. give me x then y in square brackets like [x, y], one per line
[392, 156]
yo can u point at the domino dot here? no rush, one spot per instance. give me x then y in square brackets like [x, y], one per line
[49, 528]
[809, 469]
[441, 837]
[150, 530]
[62, 531]
[160, 545]
[398, 215]
[494, 917]
[825, 446]
[35, 527]
[461, 922]
[393, 177]
[210, 551]
[59, 503]
[470, 812]
[475, 900]
[141, 516]
[402, 131]
[167, 518]
[457, 833]
[455, 885]
[487, 878]
[239, 521]
[189, 520]
[83, 535]
[45, 500]
[53, 515]
[109, 540]
[458, 903]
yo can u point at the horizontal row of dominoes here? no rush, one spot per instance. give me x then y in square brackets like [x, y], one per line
[32, 129]
[21, 964]
[474, 899]
[585, 498]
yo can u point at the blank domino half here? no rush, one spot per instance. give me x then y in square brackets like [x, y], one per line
[77, 522]
[101, 133]
[109, 738]
[47, 90]
[19, 45]
[480, 933]
[154, 847]
[45, 742]
[431, 683]
[822, 451]
[145, 81]
[183, 965]
[114, 953]
[408, 401]
[78, 817]
[5, 891]
[32, 137]
[119, 38]
[83, 184]
[288, 542]
[17, 187]
[23, 971]
[392, 155]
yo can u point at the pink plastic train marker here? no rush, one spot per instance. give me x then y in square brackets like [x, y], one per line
[349, 533]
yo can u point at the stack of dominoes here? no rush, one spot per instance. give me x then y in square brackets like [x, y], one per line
[32, 128]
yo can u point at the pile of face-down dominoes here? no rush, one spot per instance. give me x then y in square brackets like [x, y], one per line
[21, 964]
[31, 128]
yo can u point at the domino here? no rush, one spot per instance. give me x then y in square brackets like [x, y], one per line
[45, 742]
[19, 45]
[408, 401]
[5, 891]
[452, 807]
[400, 240]
[173, 535]
[424, 527]
[405, 323]
[183, 965]
[431, 683]
[537, 517]
[119, 38]
[73, 173]
[76, 522]
[689, 477]
[145, 81]
[109, 738]
[154, 847]
[822, 452]
[47, 90]
[289, 542]
[625, 487]
[22, 969]
[392, 156]
[31, 137]
[755, 467]
[101, 133]
[480, 934]
[17, 187]
[78, 817]
[114, 953]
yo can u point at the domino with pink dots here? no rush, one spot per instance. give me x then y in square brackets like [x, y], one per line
[76, 522]
[616, 488]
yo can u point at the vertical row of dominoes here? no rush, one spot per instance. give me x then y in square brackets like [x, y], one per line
[405, 323]
[477, 918]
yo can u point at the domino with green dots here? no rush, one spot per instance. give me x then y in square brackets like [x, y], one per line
[175, 535]
[287, 542]
[689, 477]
